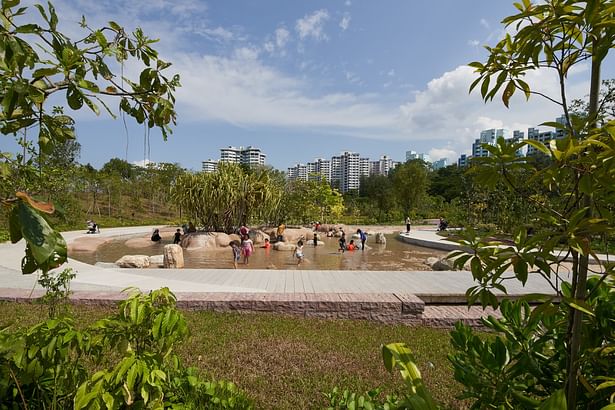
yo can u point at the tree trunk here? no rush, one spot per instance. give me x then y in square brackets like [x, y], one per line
[580, 291]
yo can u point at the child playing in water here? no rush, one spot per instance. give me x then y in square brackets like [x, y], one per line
[342, 242]
[236, 252]
[247, 247]
[351, 246]
[299, 252]
[315, 239]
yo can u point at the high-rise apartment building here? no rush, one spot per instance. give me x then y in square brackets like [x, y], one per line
[350, 171]
[211, 165]
[412, 155]
[382, 166]
[250, 156]
[320, 168]
[336, 172]
[464, 161]
[298, 172]
[441, 163]
[363, 167]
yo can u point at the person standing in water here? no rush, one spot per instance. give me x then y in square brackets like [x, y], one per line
[299, 252]
[247, 247]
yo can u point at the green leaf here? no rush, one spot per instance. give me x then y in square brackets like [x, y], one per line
[74, 97]
[15, 226]
[7, 4]
[88, 85]
[556, 401]
[580, 306]
[42, 239]
[28, 28]
[508, 92]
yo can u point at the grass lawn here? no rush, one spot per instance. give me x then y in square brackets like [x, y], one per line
[284, 362]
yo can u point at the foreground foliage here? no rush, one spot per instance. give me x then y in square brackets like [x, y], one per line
[45, 366]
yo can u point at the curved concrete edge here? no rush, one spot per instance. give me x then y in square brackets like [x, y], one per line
[388, 308]
[429, 240]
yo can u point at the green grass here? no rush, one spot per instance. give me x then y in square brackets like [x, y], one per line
[287, 363]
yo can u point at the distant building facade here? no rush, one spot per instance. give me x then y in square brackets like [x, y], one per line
[250, 156]
[411, 155]
[211, 165]
[441, 163]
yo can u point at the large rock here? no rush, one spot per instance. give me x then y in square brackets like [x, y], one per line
[380, 238]
[258, 237]
[222, 239]
[440, 263]
[133, 261]
[156, 260]
[207, 240]
[284, 246]
[173, 257]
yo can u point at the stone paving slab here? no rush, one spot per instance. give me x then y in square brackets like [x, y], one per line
[380, 307]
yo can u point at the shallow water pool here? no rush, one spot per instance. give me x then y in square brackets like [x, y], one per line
[394, 256]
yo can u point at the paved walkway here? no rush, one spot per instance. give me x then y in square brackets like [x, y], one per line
[377, 295]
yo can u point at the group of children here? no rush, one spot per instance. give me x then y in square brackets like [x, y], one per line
[351, 245]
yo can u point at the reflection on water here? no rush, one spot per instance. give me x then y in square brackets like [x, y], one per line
[395, 255]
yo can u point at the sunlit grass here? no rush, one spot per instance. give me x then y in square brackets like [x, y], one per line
[286, 362]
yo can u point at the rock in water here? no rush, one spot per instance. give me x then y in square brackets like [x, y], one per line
[173, 257]
[156, 260]
[440, 263]
[283, 246]
[258, 237]
[380, 238]
[133, 261]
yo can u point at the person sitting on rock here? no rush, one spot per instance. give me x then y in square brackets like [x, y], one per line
[156, 235]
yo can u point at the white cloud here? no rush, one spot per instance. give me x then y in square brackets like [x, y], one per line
[345, 23]
[246, 53]
[312, 25]
[352, 77]
[473, 43]
[485, 23]
[281, 37]
[218, 33]
[269, 47]
[348, 3]
[391, 72]
[438, 153]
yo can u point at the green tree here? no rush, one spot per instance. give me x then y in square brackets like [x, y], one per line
[380, 195]
[40, 64]
[226, 199]
[556, 35]
[448, 182]
[410, 182]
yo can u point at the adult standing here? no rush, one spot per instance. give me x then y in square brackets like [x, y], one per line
[363, 237]
[407, 224]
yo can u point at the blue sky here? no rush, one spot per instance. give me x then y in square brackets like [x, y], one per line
[309, 79]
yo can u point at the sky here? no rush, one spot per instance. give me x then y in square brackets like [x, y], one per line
[309, 79]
